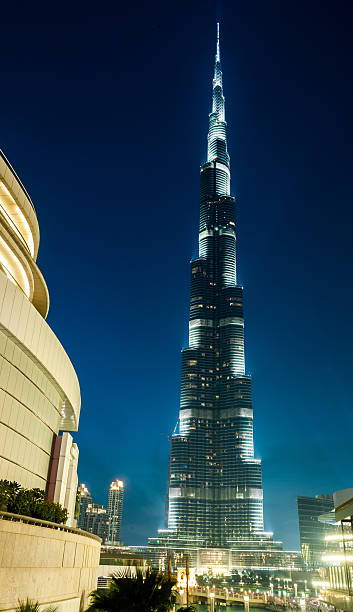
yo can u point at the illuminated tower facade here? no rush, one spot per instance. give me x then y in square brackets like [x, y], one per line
[85, 500]
[215, 495]
[115, 510]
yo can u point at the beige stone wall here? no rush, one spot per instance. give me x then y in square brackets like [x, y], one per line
[48, 565]
[39, 390]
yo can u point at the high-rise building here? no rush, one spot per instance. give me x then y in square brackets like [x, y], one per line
[115, 510]
[215, 495]
[39, 390]
[96, 521]
[312, 530]
[85, 499]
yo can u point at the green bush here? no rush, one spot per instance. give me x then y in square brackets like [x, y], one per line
[30, 502]
[33, 606]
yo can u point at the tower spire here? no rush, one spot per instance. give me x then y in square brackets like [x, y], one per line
[217, 138]
[218, 56]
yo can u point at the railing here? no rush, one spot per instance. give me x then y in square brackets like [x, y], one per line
[226, 594]
[19, 518]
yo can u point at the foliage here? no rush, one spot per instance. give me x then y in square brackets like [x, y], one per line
[8, 492]
[29, 502]
[151, 592]
[33, 606]
[189, 609]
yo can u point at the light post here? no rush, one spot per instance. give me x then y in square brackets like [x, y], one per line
[187, 581]
[271, 587]
[246, 603]
[212, 601]
[295, 589]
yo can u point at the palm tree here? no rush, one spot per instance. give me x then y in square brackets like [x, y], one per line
[33, 606]
[151, 592]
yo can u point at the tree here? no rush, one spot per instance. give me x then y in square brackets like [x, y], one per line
[151, 592]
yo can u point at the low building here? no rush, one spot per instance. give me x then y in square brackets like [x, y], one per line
[119, 561]
[338, 590]
[220, 560]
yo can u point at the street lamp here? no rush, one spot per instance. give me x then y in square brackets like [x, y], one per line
[246, 603]
[212, 601]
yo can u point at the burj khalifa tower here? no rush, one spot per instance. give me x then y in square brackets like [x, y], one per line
[215, 495]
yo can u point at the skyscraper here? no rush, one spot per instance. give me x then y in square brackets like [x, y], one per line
[115, 510]
[215, 495]
[96, 520]
[312, 531]
[85, 499]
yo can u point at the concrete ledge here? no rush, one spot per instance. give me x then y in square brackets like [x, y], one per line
[50, 563]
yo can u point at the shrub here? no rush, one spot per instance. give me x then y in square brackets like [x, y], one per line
[33, 606]
[8, 492]
[30, 502]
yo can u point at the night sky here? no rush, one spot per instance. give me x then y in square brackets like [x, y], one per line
[104, 112]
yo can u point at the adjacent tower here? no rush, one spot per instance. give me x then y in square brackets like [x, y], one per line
[115, 510]
[215, 496]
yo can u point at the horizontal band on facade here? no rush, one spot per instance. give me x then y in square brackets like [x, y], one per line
[231, 321]
[216, 493]
[212, 323]
[222, 231]
[204, 413]
[218, 165]
[201, 323]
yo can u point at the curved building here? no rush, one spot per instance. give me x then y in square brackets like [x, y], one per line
[39, 389]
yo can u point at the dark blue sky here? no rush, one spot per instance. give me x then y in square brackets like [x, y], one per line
[104, 116]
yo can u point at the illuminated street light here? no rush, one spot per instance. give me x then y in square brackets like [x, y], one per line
[212, 601]
[246, 603]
